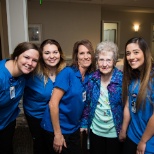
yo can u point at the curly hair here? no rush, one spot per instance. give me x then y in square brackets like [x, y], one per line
[107, 46]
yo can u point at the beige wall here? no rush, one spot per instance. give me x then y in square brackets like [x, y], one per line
[127, 19]
[67, 22]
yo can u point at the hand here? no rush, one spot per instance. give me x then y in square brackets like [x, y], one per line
[141, 147]
[83, 129]
[122, 136]
[59, 142]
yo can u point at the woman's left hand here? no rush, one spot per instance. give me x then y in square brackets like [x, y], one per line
[141, 147]
[83, 129]
[122, 136]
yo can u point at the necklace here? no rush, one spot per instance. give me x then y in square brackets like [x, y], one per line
[52, 74]
[134, 96]
[52, 77]
[135, 85]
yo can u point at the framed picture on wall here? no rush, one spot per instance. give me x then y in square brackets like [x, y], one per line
[35, 33]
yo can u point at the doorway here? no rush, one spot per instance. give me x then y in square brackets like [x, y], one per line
[110, 31]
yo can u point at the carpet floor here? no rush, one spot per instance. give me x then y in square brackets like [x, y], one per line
[22, 142]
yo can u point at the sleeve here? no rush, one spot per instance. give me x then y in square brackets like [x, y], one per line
[2, 88]
[152, 92]
[1, 85]
[86, 111]
[63, 79]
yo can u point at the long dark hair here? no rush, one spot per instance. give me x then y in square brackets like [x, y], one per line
[143, 74]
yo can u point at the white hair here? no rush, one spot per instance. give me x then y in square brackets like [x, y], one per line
[107, 46]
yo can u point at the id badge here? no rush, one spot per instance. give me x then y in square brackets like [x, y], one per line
[133, 107]
[84, 96]
[12, 92]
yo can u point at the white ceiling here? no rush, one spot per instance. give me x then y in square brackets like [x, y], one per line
[146, 6]
[130, 3]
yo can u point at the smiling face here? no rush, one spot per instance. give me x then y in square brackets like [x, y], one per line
[27, 61]
[134, 56]
[84, 57]
[51, 55]
[105, 63]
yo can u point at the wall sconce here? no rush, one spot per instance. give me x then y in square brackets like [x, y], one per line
[136, 28]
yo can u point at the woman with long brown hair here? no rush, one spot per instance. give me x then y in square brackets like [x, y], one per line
[138, 87]
[61, 121]
[39, 88]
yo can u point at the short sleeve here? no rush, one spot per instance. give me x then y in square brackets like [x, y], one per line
[63, 79]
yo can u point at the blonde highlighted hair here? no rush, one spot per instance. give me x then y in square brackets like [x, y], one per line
[143, 74]
[42, 69]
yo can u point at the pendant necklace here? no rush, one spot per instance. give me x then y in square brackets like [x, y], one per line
[134, 97]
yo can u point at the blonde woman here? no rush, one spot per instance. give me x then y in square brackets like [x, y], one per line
[39, 88]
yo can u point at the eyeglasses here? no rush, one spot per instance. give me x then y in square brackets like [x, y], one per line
[108, 61]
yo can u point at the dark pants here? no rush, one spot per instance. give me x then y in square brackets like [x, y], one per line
[103, 145]
[6, 138]
[85, 149]
[72, 141]
[36, 131]
[129, 146]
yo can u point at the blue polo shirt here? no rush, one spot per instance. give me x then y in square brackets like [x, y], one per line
[140, 119]
[36, 95]
[71, 105]
[9, 102]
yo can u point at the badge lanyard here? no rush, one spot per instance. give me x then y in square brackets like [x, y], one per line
[12, 89]
[134, 96]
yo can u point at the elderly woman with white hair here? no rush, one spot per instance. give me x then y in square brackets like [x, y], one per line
[103, 112]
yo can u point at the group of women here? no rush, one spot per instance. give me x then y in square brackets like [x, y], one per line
[115, 108]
